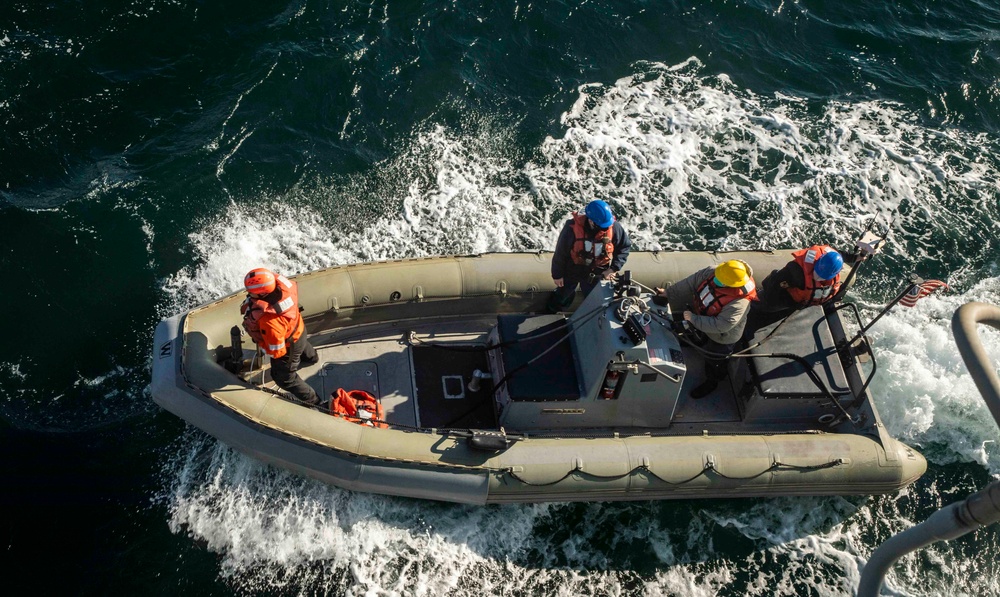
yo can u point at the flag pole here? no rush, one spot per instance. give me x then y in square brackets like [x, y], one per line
[914, 281]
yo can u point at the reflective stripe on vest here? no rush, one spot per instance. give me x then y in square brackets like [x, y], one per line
[705, 295]
[712, 298]
[284, 304]
[821, 293]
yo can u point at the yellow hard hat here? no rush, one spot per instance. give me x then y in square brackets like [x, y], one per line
[732, 273]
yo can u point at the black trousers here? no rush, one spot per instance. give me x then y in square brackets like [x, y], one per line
[284, 371]
[717, 368]
[563, 296]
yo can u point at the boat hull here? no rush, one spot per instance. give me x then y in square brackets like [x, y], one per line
[594, 465]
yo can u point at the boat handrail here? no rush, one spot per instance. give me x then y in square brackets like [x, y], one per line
[859, 398]
[979, 509]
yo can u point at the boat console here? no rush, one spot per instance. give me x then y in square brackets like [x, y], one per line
[611, 364]
[616, 363]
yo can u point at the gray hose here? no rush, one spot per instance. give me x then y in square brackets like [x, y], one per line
[963, 325]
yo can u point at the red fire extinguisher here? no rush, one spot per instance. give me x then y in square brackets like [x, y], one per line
[610, 382]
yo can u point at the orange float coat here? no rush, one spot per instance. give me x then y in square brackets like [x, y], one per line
[359, 407]
[710, 299]
[274, 321]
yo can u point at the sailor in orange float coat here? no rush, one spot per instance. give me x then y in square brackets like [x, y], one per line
[271, 317]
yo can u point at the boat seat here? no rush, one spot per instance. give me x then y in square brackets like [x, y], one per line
[552, 377]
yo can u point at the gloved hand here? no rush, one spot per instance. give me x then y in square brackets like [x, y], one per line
[677, 324]
[660, 298]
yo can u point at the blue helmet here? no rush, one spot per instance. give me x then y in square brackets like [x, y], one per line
[829, 265]
[600, 213]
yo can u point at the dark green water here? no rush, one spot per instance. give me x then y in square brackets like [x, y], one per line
[152, 152]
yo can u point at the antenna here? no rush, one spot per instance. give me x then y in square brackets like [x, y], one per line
[870, 243]
[913, 282]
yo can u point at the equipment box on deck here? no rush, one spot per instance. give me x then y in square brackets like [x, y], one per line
[782, 388]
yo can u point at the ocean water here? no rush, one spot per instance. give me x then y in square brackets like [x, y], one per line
[153, 151]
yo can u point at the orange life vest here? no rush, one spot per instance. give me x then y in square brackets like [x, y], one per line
[286, 306]
[596, 251]
[710, 298]
[816, 291]
[358, 406]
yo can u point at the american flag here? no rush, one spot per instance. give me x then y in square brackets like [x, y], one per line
[920, 291]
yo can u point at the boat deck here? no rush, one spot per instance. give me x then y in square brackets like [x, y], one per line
[431, 390]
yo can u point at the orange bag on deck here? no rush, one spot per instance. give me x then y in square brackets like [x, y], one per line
[359, 407]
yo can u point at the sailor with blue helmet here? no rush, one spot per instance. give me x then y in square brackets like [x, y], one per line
[592, 246]
[812, 277]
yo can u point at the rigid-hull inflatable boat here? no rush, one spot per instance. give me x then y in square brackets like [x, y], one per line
[487, 398]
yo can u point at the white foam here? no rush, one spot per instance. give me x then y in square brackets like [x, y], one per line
[448, 199]
[924, 392]
[270, 525]
[678, 152]
[274, 530]
[455, 197]
[13, 370]
[687, 161]
[228, 246]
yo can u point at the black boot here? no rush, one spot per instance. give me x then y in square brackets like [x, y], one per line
[557, 302]
[704, 389]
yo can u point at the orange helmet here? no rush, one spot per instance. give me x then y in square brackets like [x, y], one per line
[259, 282]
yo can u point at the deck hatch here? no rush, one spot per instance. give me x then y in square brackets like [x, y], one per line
[553, 376]
[782, 389]
[362, 375]
[441, 377]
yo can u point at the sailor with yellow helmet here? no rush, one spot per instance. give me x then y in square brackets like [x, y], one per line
[716, 302]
